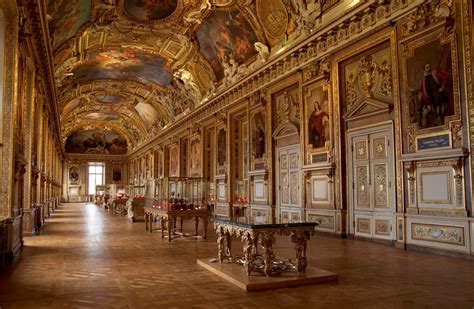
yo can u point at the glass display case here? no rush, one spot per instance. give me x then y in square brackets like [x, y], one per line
[99, 197]
[241, 200]
[181, 192]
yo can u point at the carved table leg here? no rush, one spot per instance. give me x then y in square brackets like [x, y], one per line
[248, 242]
[300, 239]
[163, 226]
[196, 224]
[146, 221]
[266, 241]
[171, 225]
[220, 244]
[181, 224]
[204, 219]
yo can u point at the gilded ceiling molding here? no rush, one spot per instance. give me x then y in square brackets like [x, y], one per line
[36, 15]
[358, 22]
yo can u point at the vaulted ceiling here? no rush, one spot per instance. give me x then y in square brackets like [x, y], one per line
[124, 69]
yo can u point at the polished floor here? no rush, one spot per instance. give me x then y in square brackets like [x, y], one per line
[87, 258]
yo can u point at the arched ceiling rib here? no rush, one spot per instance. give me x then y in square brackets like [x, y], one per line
[133, 66]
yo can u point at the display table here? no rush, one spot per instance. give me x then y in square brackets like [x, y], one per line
[135, 209]
[269, 272]
[120, 206]
[168, 220]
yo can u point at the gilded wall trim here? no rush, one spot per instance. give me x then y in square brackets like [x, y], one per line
[9, 97]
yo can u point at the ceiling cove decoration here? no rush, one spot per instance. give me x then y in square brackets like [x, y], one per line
[124, 64]
[146, 10]
[226, 39]
[135, 67]
[96, 142]
[66, 18]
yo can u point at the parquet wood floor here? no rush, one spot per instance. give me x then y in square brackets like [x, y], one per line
[87, 258]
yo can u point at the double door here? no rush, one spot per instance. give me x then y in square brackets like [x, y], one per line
[288, 184]
[371, 182]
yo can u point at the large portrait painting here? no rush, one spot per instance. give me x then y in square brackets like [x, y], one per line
[195, 157]
[226, 39]
[174, 161]
[67, 18]
[117, 174]
[96, 142]
[430, 83]
[221, 147]
[124, 64]
[146, 10]
[74, 175]
[317, 116]
[258, 135]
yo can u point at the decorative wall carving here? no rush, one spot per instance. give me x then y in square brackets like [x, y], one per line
[438, 233]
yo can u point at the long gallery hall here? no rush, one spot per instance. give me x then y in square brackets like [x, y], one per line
[236, 153]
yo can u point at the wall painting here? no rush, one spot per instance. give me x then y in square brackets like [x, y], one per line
[317, 118]
[74, 175]
[221, 147]
[430, 84]
[174, 160]
[117, 174]
[258, 136]
[195, 156]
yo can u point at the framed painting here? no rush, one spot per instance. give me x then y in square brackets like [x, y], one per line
[430, 84]
[117, 174]
[317, 118]
[221, 148]
[195, 156]
[174, 160]
[74, 175]
[159, 163]
[258, 137]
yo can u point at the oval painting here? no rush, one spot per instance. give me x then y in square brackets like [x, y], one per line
[146, 10]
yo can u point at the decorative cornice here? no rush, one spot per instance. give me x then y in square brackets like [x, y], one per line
[37, 17]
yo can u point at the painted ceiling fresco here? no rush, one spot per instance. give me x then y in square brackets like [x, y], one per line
[66, 18]
[96, 142]
[124, 64]
[147, 112]
[224, 38]
[71, 106]
[145, 10]
[109, 98]
[135, 66]
[101, 116]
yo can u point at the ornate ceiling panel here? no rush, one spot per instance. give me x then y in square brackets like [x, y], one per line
[66, 18]
[96, 142]
[147, 10]
[135, 66]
